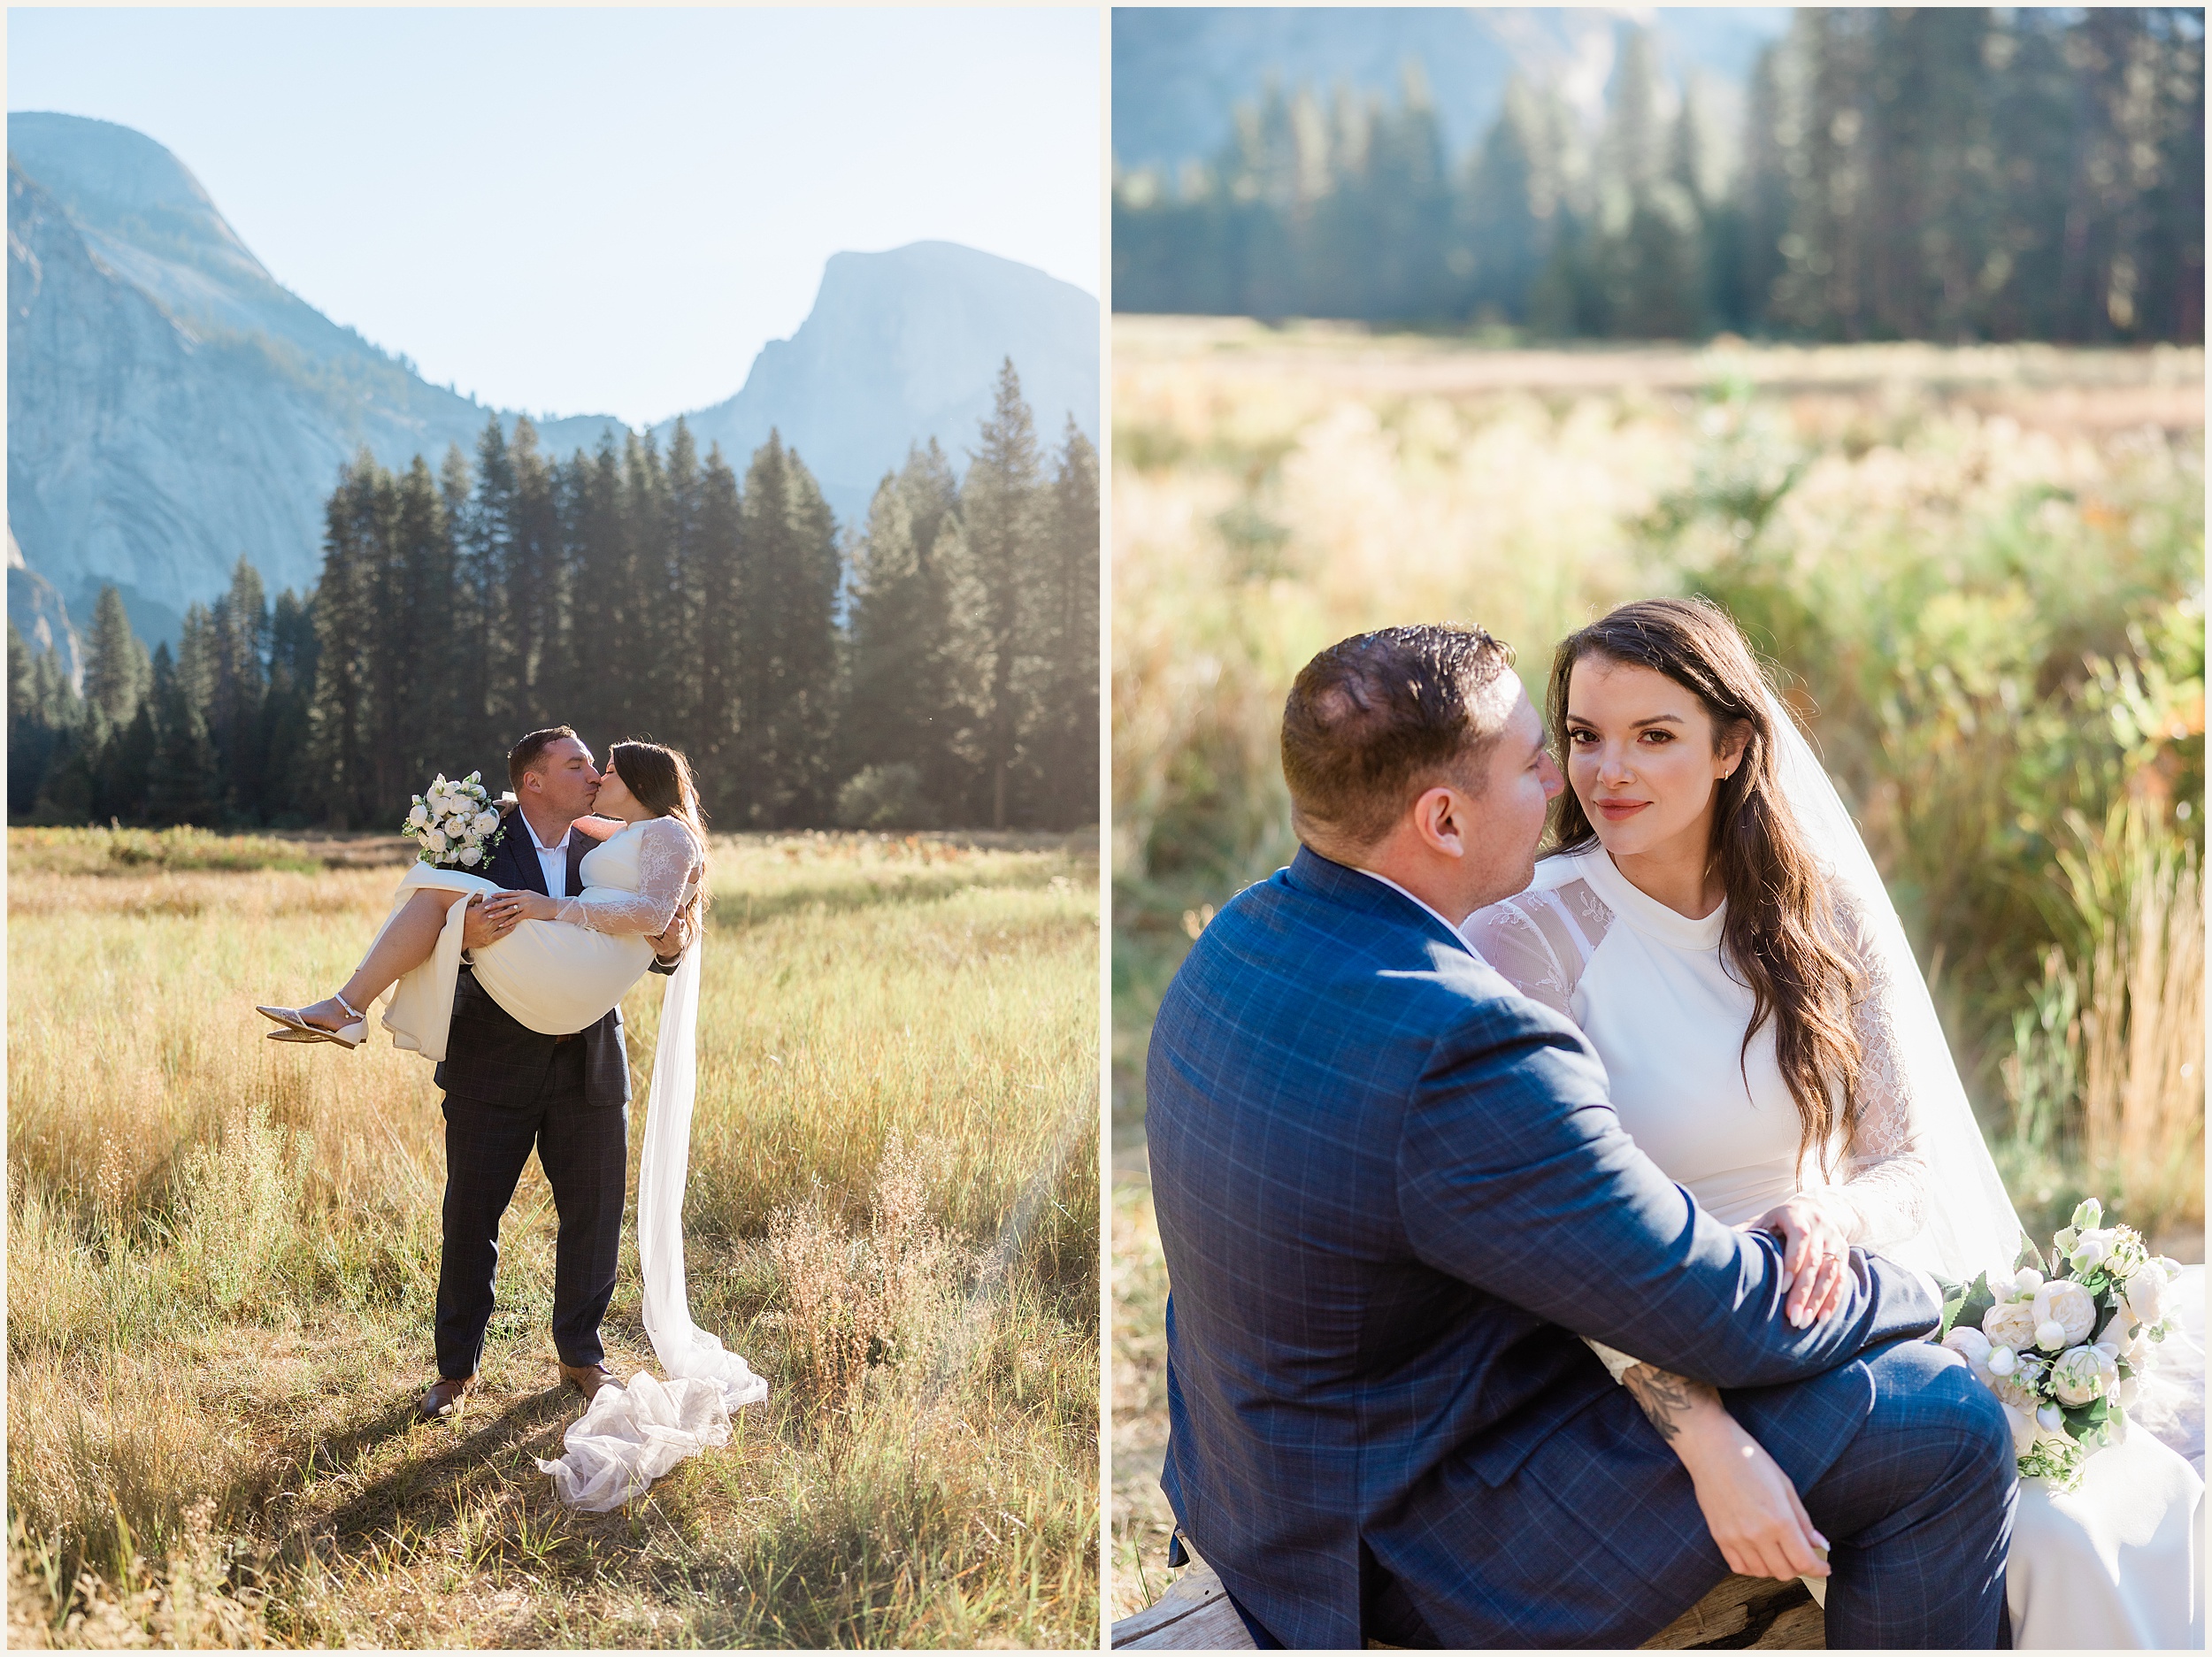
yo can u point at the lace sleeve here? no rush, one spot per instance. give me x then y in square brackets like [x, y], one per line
[1883, 1184]
[666, 861]
[1509, 936]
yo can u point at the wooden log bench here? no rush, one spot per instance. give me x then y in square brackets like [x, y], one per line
[1743, 1613]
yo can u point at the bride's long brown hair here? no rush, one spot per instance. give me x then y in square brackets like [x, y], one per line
[1781, 934]
[662, 781]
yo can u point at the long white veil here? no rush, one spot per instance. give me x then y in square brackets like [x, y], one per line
[633, 1434]
[1969, 1225]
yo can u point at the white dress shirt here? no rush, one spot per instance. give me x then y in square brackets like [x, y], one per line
[553, 859]
[1408, 896]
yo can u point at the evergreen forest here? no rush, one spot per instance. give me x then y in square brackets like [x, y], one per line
[936, 666]
[1940, 173]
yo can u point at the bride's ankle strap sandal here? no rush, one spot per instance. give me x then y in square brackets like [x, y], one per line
[297, 1029]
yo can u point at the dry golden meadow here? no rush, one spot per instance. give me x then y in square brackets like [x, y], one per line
[223, 1253]
[1980, 569]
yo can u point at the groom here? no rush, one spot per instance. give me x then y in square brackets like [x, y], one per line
[1392, 1194]
[509, 1089]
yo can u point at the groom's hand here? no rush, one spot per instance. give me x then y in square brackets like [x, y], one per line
[488, 921]
[670, 945]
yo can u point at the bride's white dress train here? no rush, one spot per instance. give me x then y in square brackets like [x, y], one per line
[558, 977]
[2114, 1564]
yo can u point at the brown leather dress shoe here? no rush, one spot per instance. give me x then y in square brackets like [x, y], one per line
[447, 1398]
[589, 1379]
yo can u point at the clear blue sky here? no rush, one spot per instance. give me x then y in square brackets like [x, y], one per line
[597, 210]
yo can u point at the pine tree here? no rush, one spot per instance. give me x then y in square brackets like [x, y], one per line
[238, 648]
[998, 509]
[183, 783]
[342, 732]
[287, 796]
[1061, 715]
[720, 713]
[789, 651]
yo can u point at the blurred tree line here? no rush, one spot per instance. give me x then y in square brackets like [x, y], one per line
[938, 667]
[1928, 172]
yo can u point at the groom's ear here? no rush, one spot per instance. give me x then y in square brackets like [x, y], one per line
[1439, 818]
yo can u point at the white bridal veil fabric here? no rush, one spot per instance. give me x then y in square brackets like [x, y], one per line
[556, 977]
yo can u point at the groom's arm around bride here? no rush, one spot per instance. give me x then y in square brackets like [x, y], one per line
[1392, 1194]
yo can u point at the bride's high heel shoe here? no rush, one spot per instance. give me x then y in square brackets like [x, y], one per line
[297, 1029]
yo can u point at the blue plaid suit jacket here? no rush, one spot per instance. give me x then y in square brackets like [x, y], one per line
[1392, 1193]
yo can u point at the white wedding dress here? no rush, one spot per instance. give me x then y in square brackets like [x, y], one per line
[558, 977]
[2113, 1564]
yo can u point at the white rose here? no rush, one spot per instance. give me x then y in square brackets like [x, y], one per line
[2050, 1334]
[418, 818]
[2051, 1420]
[2002, 1362]
[2011, 1323]
[2025, 1282]
[1973, 1346]
[2088, 1214]
[2082, 1374]
[2145, 1295]
[2090, 1252]
[471, 856]
[2066, 1303]
[436, 841]
[2025, 1430]
[486, 821]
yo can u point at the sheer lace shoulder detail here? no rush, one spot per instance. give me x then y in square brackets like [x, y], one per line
[1542, 940]
[668, 861]
[1884, 1176]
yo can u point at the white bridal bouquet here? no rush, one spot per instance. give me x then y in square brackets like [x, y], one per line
[455, 824]
[2063, 1352]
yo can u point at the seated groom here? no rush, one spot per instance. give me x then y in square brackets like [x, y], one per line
[1392, 1194]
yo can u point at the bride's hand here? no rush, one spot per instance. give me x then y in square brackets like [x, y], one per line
[1815, 1256]
[532, 906]
[1749, 1504]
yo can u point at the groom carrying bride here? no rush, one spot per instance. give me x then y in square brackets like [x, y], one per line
[1393, 1197]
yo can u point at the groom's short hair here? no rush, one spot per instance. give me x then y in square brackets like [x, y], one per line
[523, 757]
[1373, 720]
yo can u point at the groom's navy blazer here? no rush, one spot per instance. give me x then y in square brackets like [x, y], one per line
[1391, 1192]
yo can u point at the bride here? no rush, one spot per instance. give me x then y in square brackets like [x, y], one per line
[1712, 922]
[560, 966]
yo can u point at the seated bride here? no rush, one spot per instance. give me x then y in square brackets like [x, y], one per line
[564, 962]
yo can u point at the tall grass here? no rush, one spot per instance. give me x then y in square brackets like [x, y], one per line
[1979, 573]
[223, 1255]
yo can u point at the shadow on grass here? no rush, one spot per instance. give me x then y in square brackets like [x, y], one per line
[424, 1490]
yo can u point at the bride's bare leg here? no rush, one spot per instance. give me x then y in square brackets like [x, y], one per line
[405, 943]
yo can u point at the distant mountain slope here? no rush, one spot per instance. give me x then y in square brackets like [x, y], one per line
[904, 346]
[171, 406]
[1180, 72]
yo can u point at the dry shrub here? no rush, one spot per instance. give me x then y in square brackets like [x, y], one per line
[857, 1300]
[186, 1602]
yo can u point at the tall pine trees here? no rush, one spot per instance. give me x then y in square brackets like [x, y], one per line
[938, 667]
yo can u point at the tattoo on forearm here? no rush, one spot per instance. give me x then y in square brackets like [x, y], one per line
[1666, 1398]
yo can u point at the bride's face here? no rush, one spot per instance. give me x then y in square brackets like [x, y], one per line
[1641, 759]
[615, 798]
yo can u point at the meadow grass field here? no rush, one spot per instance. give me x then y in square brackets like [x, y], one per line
[1979, 571]
[223, 1252]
